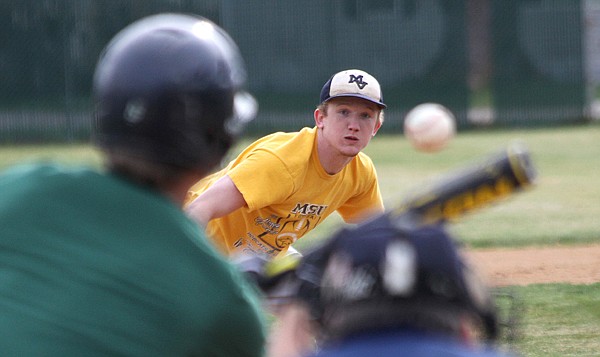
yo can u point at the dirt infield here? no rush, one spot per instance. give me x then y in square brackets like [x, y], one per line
[524, 266]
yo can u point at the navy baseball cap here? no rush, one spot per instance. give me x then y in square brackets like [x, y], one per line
[378, 263]
[353, 83]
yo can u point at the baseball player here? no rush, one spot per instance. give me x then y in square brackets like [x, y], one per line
[409, 294]
[106, 263]
[285, 184]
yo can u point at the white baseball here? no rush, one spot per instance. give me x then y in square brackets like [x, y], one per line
[429, 127]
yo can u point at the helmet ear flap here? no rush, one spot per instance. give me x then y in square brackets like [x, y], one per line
[203, 126]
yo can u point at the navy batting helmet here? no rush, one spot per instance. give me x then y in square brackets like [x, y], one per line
[169, 88]
[378, 274]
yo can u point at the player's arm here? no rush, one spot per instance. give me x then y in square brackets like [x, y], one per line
[222, 198]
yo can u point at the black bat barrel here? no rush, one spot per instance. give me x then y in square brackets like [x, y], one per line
[470, 188]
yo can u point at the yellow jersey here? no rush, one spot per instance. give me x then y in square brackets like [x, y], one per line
[288, 193]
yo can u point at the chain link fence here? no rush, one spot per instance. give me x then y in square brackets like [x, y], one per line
[493, 62]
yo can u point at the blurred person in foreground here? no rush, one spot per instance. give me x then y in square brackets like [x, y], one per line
[409, 293]
[283, 185]
[105, 262]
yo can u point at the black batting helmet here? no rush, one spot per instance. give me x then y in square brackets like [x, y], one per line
[169, 89]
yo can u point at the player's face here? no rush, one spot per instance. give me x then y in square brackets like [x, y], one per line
[349, 124]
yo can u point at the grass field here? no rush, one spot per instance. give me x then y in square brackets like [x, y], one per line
[559, 320]
[563, 207]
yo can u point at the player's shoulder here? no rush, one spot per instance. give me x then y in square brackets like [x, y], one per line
[47, 172]
[362, 164]
[411, 343]
[283, 138]
[290, 148]
[364, 159]
[47, 168]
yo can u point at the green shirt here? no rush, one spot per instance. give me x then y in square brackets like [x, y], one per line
[91, 265]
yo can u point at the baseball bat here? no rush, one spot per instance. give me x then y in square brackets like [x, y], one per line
[468, 188]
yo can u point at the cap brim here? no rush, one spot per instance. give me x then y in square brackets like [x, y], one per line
[356, 95]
